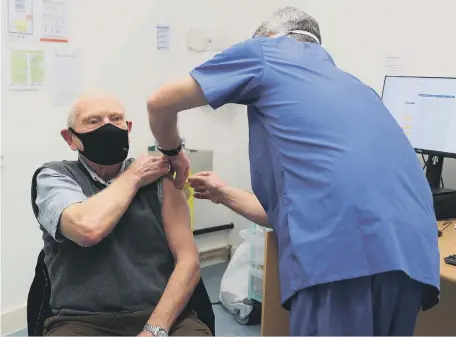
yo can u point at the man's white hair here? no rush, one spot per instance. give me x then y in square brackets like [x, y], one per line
[72, 117]
[288, 19]
[83, 99]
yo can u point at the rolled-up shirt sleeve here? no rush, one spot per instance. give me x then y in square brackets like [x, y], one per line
[55, 192]
[232, 76]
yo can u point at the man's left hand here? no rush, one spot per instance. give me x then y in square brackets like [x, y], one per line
[181, 165]
[146, 334]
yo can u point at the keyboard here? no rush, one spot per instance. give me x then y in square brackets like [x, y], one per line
[450, 260]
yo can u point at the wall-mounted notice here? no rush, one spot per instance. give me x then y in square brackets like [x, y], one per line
[20, 19]
[394, 65]
[66, 78]
[26, 69]
[162, 38]
[54, 25]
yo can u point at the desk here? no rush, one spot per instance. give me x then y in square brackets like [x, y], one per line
[439, 321]
[275, 320]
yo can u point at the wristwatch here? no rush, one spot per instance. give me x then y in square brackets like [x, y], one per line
[172, 152]
[155, 330]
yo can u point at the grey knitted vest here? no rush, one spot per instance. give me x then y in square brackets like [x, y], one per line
[127, 271]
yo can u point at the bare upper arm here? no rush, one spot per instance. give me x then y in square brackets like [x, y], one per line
[176, 220]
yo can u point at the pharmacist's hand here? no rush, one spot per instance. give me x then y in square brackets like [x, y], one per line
[207, 185]
[180, 165]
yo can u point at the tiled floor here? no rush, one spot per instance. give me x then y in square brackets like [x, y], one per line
[22, 332]
[225, 323]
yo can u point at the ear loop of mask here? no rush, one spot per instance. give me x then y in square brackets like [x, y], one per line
[302, 32]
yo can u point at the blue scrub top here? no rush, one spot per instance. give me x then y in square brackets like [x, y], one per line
[339, 180]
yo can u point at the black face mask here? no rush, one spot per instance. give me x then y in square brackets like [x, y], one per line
[107, 145]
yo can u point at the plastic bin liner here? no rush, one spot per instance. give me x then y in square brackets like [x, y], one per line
[234, 287]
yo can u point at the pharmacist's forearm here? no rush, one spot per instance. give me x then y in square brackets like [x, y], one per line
[164, 105]
[246, 204]
[163, 124]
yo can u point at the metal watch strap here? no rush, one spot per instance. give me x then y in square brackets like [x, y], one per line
[172, 152]
[155, 330]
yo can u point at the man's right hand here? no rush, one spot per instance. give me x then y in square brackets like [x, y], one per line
[148, 168]
[207, 185]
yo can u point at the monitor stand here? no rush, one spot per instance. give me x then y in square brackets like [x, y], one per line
[434, 167]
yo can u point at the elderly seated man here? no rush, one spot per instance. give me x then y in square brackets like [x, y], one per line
[119, 249]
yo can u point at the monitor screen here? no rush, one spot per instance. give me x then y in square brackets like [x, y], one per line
[425, 108]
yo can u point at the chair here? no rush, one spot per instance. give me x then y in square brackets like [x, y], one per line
[38, 308]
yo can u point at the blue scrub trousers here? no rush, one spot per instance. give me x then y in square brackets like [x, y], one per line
[385, 304]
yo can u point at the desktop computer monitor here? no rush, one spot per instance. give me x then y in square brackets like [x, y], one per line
[425, 108]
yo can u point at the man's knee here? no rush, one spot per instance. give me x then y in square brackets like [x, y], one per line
[62, 326]
[190, 325]
[70, 329]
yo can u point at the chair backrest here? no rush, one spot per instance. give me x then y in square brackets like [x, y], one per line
[38, 308]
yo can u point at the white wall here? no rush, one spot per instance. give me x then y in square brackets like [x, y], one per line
[117, 49]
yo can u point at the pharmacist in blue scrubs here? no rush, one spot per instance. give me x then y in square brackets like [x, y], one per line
[332, 173]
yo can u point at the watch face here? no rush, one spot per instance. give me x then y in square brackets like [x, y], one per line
[155, 330]
[161, 333]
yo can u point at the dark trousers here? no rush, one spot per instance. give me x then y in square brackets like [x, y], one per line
[385, 304]
[122, 324]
